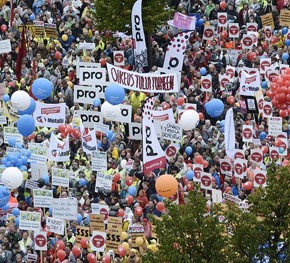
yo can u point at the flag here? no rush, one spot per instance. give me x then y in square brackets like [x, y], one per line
[21, 54]
[89, 140]
[140, 50]
[230, 135]
[58, 150]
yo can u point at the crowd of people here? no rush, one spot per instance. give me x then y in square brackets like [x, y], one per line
[74, 25]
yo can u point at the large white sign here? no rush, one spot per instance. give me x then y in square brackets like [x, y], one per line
[55, 225]
[135, 132]
[99, 161]
[85, 94]
[171, 131]
[275, 125]
[91, 76]
[103, 181]
[65, 208]
[29, 220]
[89, 118]
[60, 177]
[5, 46]
[42, 198]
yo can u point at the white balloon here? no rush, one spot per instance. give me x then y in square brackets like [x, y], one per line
[12, 177]
[20, 100]
[123, 164]
[110, 112]
[189, 120]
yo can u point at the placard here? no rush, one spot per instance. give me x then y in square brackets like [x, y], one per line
[284, 18]
[257, 156]
[222, 19]
[81, 232]
[267, 20]
[31, 184]
[55, 225]
[226, 166]
[42, 198]
[171, 150]
[171, 131]
[3, 119]
[60, 177]
[264, 63]
[197, 169]
[39, 29]
[89, 118]
[247, 133]
[268, 32]
[40, 240]
[65, 208]
[103, 181]
[267, 109]
[136, 230]
[85, 94]
[217, 196]
[80, 65]
[126, 114]
[38, 153]
[87, 46]
[12, 132]
[206, 181]
[97, 223]
[274, 125]
[234, 30]
[5, 46]
[50, 31]
[119, 58]
[91, 76]
[135, 132]
[31, 257]
[274, 153]
[115, 224]
[240, 167]
[103, 128]
[99, 161]
[101, 210]
[252, 27]
[206, 83]
[247, 41]
[260, 178]
[239, 154]
[98, 241]
[29, 220]
[37, 170]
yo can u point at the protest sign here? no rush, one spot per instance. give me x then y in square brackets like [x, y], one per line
[89, 118]
[240, 166]
[50, 31]
[103, 181]
[222, 19]
[267, 20]
[29, 220]
[264, 63]
[252, 27]
[58, 150]
[150, 82]
[171, 150]
[257, 155]
[135, 132]
[85, 94]
[97, 223]
[49, 115]
[197, 169]
[103, 128]
[54, 225]
[99, 161]
[274, 125]
[171, 131]
[206, 83]
[234, 30]
[206, 181]
[40, 240]
[87, 46]
[247, 133]
[3, 119]
[12, 132]
[101, 210]
[81, 232]
[260, 178]
[60, 177]
[224, 80]
[274, 153]
[5, 46]
[183, 21]
[115, 224]
[98, 241]
[31, 184]
[136, 230]
[38, 153]
[91, 76]
[159, 116]
[208, 33]
[65, 208]
[268, 32]
[247, 41]
[250, 83]
[119, 58]
[85, 65]
[32, 257]
[217, 196]
[39, 29]
[284, 18]
[226, 166]
[260, 100]
[42, 198]
[267, 109]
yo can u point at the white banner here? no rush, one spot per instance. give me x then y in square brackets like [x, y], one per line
[230, 135]
[29, 220]
[89, 140]
[103, 181]
[65, 208]
[150, 82]
[171, 131]
[250, 83]
[60, 177]
[153, 155]
[42, 198]
[55, 225]
[140, 49]
[87, 46]
[58, 150]
[89, 118]
[99, 161]
[175, 52]
[40, 240]
[49, 115]
[91, 76]
[135, 132]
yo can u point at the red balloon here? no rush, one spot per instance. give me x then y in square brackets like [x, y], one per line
[106, 259]
[285, 162]
[61, 255]
[251, 56]
[231, 100]
[103, 62]
[228, 188]
[117, 177]
[265, 149]
[189, 186]
[3, 28]
[283, 113]
[278, 142]
[121, 251]
[274, 39]
[224, 34]
[287, 71]
[61, 128]
[223, 5]
[264, 45]
[129, 180]
[198, 159]
[121, 213]
[69, 128]
[248, 186]
[91, 257]
[283, 106]
[84, 242]
[160, 206]
[63, 135]
[205, 164]
[11, 84]
[76, 251]
[180, 101]
[166, 106]
[57, 55]
[138, 211]
[60, 245]
[269, 93]
[201, 116]
[279, 82]
[130, 200]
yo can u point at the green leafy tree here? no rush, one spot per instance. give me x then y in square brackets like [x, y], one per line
[186, 234]
[264, 229]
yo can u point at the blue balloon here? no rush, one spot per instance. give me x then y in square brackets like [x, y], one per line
[30, 109]
[112, 138]
[42, 88]
[281, 150]
[45, 178]
[4, 160]
[5, 207]
[115, 94]
[284, 31]
[8, 164]
[18, 155]
[17, 221]
[18, 145]
[26, 125]
[23, 168]
[264, 85]
[160, 198]
[202, 71]
[222, 123]
[97, 102]
[109, 134]
[189, 175]
[24, 160]
[188, 150]
[4, 195]
[15, 211]
[50, 210]
[19, 163]
[285, 56]
[6, 98]
[287, 42]
[9, 156]
[82, 182]
[52, 241]
[12, 142]
[26, 153]
[263, 135]
[79, 218]
[14, 159]
[200, 22]
[223, 129]
[32, 17]
[214, 108]
[132, 190]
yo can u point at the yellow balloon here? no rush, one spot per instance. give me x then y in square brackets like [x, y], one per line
[125, 245]
[139, 241]
[64, 37]
[67, 78]
[25, 175]
[124, 236]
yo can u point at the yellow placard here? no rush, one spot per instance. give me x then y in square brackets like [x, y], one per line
[285, 17]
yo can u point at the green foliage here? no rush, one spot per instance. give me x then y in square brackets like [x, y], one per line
[116, 15]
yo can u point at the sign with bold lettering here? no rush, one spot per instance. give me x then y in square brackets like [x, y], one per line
[40, 240]
[171, 131]
[91, 76]
[98, 241]
[89, 118]
[85, 94]
[55, 225]
[135, 132]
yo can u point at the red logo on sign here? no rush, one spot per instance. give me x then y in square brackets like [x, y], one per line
[268, 33]
[265, 64]
[40, 240]
[260, 104]
[170, 151]
[225, 166]
[239, 168]
[247, 133]
[230, 72]
[234, 30]
[239, 155]
[98, 241]
[272, 75]
[247, 41]
[257, 157]
[260, 179]
[252, 28]
[206, 180]
[223, 19]
[104, 212]
[119, 58]
[208, 33]
[206, 83]
[197, 172]
[267, 109]
[224, 81]
[274, 154]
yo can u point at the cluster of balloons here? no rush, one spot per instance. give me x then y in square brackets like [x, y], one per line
[4, 196]
[279, 92]
[67, 129]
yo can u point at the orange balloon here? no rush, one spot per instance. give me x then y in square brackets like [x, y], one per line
[231, 100]
[201, 116]
[198, 159]
[205, 164]
[166, 185]
[180, 101]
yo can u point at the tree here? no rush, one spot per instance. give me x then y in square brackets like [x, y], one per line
[186, 234]
[263, 231]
